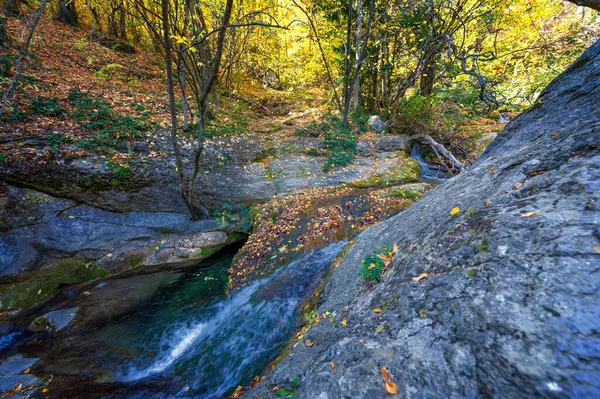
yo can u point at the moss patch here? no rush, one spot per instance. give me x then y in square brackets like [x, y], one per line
[405, 171]
[411, 191]
[45, 283]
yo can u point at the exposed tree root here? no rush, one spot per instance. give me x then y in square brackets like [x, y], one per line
[439, 150]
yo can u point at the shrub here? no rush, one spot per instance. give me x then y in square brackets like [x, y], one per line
[111, 71]
[95, 114]
[340, 142]
[373, 265]
[46, 106]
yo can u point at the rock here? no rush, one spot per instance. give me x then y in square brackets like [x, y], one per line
[12, 373]
[511, 305]
[376, 123]
[53, 321]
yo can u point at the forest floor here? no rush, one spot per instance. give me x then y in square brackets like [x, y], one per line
[78, 97]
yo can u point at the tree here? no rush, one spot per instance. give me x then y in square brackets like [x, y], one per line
[67, 12]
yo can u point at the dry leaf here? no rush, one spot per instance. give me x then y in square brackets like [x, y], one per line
[518, 185]
[343, 322]
[379, 329]
[377, 310]
[27, 370]
[333, 366]
[596, 248]
[491, 169]
[308, 343]
[395, 248]
[390, 388]
[385, 374]
[488, 203]
[421, 277]
[454, 211]
[529, 214]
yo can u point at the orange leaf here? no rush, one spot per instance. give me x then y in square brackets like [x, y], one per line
[385, 374]
[421, 277]
[377, 310]
[390, 388]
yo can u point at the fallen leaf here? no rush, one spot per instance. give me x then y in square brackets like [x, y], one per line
[395, 248]
[421, 277]
[454, 211]
[379, 329]
[308, 343]
[529, 214]
[343, 322]
[596, 248]
[389, 386]
[491, 169]
[377, 310]
[488, 203]
[45, 390]
[333, 366]
[518, 185]
[27, 370]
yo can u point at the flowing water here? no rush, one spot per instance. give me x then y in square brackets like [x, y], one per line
[190, 334]
[430, 173]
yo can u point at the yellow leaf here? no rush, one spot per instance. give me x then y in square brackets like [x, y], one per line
[395, 248]
[343, 322]
[454, 211]
[596, 248]
[45, 390]
[488, 203]
[529, 214]
[421, 277]
[379, 329]
[333, 366]
[377, 310]
[390, 388]
[27, 370]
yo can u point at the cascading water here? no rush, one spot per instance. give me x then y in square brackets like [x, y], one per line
[213, 349]
[430, 173]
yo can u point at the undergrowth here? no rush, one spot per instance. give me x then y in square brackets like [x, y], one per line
[373, 266]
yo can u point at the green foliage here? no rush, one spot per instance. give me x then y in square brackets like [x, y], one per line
[112, 129]
[112, 71]
[340, 142]
[373, 266]
[472, 273]
[224, 216]
[118, 170]
[46, 106]
[80, 44]
[5, 64]
[231, 122]
[54, 140]
[3, 157]
[288, 393]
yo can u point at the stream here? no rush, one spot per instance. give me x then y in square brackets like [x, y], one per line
[430, 173]
[188, 339]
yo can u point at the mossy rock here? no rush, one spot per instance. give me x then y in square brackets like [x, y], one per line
[411, 191]
[45, 283]
[405, 171]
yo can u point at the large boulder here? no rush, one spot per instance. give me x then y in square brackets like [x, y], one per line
[510, 306]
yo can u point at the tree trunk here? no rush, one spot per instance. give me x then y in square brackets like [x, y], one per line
[595, 4]
[347, 65]
[67, 13]
[355, 83]
[8, 94]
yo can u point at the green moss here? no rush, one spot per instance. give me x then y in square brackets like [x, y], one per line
[134, 260]
[472, 273]
[406, 171]
[410, 191]
[45, 283]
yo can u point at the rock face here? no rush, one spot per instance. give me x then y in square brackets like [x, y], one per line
[57, 241]
[511, 304]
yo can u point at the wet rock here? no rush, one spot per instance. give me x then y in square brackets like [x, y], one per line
[12, 373]
[53, 321]
[511, 306]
